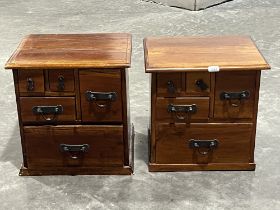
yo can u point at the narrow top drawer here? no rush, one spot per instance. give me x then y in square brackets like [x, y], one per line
[31, 82]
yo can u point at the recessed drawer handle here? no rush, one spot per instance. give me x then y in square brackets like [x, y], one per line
[182, 109]
[205, 144]
[235, 96]
[30, 84]
[74, 150]
[45, 110]
[101, 96]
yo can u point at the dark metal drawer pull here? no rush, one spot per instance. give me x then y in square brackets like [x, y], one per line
[201, 84]
[61, 85]
[185, 109]
[74, 150]
[171, 87]
[208, 144]
[235, 96]
[101, 96]
[30, 84]
[45, 110]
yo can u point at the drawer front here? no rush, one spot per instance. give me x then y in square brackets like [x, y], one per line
[101, 98]
[66, 146]
[47, 109]
[229, 102]
[182, 109]
[170, 84]
[61, 80]
[198, 83]
[232, 143]
[31, 81]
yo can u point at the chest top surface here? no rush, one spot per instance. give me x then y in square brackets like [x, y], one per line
[107, 50]
[187, 53]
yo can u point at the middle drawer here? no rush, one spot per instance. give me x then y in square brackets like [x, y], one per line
[182, 109]
[47, 109]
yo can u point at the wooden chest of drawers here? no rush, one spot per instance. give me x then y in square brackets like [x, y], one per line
[73, 103]
[204, 93]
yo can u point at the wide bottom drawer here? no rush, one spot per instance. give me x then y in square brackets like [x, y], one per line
[203, 143]
[83, 146]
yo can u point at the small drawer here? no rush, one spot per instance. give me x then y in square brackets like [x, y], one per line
[182, 109]
[170, 84]
[61, 80]
[47, 109]
[72, 146]
[198, 83]
[235, 95]
[203, 143]
[101, 95]
[31, 81]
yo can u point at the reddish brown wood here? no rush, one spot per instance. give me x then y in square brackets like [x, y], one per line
[184, 60]
[235, 82]
[57, 51]
[111, 140]
[67, 75]
[105, 146]
[172, 143]
[101, 81]
[162, 84]
[103, 170]
[78, 96]
[202, 104]
[192, 88]
[154, 167]
[257, 89]
[37, 76]
[187, 53]
[68, 104]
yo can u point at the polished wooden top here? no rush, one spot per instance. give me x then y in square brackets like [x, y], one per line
[107, 50]
[187, 53]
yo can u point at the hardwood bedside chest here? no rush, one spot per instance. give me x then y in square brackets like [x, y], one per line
[73, 104]
[204, 93]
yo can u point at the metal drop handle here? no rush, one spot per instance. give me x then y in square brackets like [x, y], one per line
[205, 144]
[30, 84]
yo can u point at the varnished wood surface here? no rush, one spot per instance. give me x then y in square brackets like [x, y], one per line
[68, 104]
[36, 76]
[233, 147]
[187, 53]
[102, 170]
[72, 51]
[68, 80]
[154, 167]
[101, 81]
[184, 84]
[162, 114]
[105, 145]
[235, 82]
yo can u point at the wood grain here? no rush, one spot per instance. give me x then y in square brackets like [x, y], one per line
[27, 103]
[235, 82]
[101, 81]
[105, 145]
[37, 77]
[187, 53]
[234, 143]
[68, 76]
[202, 104]
[155, 167]
[72, 51]
[192, 88]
